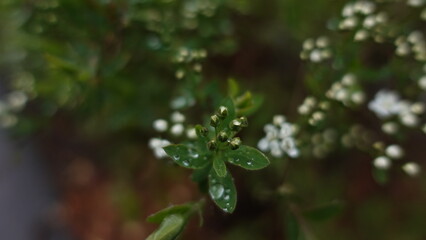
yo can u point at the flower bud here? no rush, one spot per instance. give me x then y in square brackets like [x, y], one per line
[222, 136]
[214, 121]
[212, 145]
[223, 112]
[235, 125]
[244, 121]
[235, 143]
[201, 131]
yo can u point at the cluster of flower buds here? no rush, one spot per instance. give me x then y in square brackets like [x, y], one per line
[414, 44]
[323, 143]
[191, 60]
[316, 50]
[359, 137]
[316, 111]
[347, 91]
[388, 104]
[361, 16]
[224, 138]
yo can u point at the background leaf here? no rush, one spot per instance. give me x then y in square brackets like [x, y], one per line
[183, 209]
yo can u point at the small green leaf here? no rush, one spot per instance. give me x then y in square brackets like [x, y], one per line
[233, 88]
[185, 156]
[170, 228]
[219, 166]
[324, 211]
[158, 217]
[247, 157]
[222, 191]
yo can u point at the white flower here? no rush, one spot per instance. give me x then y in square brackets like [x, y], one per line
[278, 119]
[160, 125]
[177, 129]
[157, 145]
[411, 168]
[390, 128]
[394, 151]
[191, 133]
[382, 162]
[385, 104]
[177, 117]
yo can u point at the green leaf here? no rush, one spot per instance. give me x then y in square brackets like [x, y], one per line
[233, 88]
[222, 191]
[247, 157]
[185, 156]
[170, 228]
[201, 174]
[292, 227]
[158, 217]
[324, 211]
[219, 166]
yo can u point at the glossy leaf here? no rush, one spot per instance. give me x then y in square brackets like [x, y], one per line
[158, 217]
[219, 166]
[170, 228]
[222, 191]
[185, 156]
[247, 157]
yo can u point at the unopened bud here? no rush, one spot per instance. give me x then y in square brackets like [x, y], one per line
[223, 112]
[235, 143]
[244, 122]
[235, 125]
[222, 136]
[212, 145]
[214, 121]
[201, 131]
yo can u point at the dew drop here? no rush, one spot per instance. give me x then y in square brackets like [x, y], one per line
[216, 191]
[228, 204]
[185, 163]
[228, 190]
[226, 197]
[249, 163]
[176, 157]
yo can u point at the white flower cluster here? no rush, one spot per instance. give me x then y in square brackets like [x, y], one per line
[323, 142]
[361, 16]
[13, 103]
[347, 91]
[177, 129]
[357, 136]
[314, 110]
[414, 43]
[316, 50]
[191, 57]
[387, 104]
[279, 139]
[395, 152]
